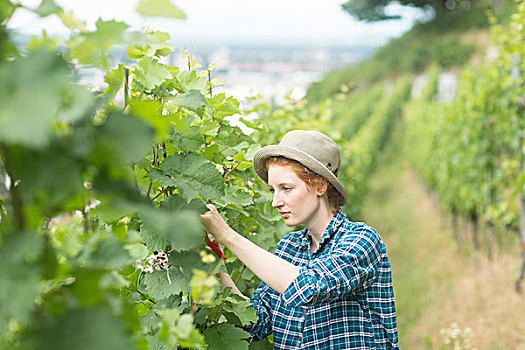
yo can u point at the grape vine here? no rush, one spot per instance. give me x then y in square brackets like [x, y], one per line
[470, 150]
[100, 198]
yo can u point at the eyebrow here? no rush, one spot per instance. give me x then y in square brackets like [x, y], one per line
[281, 184]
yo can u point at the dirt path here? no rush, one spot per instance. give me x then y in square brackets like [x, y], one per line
[436, 283]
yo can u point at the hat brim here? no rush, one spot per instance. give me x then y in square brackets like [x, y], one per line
[262, 156]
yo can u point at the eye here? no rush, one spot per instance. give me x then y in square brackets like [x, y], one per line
[271, 190]
[287, 188]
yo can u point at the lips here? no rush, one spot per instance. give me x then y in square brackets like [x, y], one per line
[284, 214]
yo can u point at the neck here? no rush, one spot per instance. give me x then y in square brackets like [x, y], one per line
[319, 225]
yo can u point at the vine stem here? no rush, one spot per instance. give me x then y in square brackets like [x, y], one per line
[209, 81]
[126, 87]
[231, 169]
[240, 274]
[161, 192]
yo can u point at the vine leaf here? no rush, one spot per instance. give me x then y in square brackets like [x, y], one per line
[128, 135]
[100, 330]
[235, 198]
[48, 7]
[187, 140]
[45, 77]
[192, 174]
[241, 309]
[226, 336]
[189, 80]
[192, 100]
[105, 252]
[91, 48]
[224, 106]
[159, 287]
[159, 8]
[181, 230]
[150, 73]
[20, 275]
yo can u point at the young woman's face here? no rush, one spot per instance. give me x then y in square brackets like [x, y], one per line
[296, 204]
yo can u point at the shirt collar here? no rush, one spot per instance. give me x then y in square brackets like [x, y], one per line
[332, 227]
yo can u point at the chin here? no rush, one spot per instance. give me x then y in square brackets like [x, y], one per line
[291, 223]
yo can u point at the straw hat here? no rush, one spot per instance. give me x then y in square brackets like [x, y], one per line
[312, 149]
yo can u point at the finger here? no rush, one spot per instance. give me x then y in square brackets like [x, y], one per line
[211, 207]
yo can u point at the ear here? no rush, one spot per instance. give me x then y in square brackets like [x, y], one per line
[322, 188]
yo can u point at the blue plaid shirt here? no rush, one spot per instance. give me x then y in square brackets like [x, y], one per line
[342, 299]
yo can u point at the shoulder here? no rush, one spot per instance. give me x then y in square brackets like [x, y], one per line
[359, 234]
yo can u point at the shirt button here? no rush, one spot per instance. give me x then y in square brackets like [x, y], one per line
[304, 313]
[300, 337]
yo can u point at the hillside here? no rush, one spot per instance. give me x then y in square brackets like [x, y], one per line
[449, 42]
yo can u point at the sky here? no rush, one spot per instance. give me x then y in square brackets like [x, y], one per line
[261, 22]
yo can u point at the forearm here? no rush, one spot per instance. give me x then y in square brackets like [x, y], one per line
[274, 271]
[226, 281]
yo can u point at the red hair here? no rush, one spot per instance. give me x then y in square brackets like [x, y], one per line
[312, 180]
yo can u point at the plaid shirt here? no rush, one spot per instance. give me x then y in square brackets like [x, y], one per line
[342, 299]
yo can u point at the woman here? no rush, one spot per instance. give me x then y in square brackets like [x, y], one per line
[329, 285]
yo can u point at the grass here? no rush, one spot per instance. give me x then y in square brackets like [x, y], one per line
[436, 282]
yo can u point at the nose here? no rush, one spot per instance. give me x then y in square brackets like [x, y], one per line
[277, 201]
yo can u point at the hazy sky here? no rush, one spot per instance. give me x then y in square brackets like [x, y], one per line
[282, 22]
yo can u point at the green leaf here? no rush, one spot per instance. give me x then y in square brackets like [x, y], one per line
[159, 8]
[224, 106]
[151, 113]
[150, 44]
[99, 330]
[189, 140]
[20, 273]
[241, 308]
[176, 203]
[202, 287]
[150, 73]
[72, 22]
[105, 252]
[92, 48]
[56, 188]
[187, 261]
[189, 80]
[193, 175]
[48, 7]
[115, 80]
[226, 336]
[235, 199]
[192, 99]
[130, 137]
[182, 230]
[158, 285]
[156, 241]
[86, 288]
[135, 246]
[45, 78]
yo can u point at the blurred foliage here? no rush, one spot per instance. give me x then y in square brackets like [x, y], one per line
[468, 150]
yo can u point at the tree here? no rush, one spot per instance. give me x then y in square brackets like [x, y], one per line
[374, 10]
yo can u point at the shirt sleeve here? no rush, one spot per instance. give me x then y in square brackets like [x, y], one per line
[261, 303]
[350, 268]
